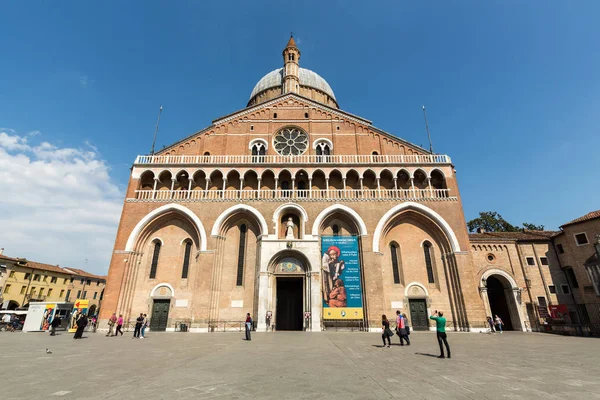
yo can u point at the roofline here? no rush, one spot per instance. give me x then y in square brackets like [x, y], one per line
[201, 131]
[578, 222]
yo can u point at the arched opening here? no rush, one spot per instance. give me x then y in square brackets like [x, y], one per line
[352, 184]
[164, 181]
[92, 310]
[233, 182]
[12, 305]
[250, 185]
[437, 180]
[182, 181]
[336, 184]
[216, 181]
[285, 183]
[497, 288]
[318, 184]
[386, 182]
[302, 183]
[290, 226]
[199, 181]
[291, 296]
[267, 184]
[147, 181]
[420, 179]
[403, 179]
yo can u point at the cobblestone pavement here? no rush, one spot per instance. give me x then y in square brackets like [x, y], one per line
[297, 365]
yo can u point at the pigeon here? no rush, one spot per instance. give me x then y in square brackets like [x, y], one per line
[48, 351]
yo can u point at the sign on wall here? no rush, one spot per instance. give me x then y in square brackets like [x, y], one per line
[80, 307]
[341, 286]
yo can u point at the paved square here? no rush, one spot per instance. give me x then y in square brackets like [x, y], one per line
[297, 365]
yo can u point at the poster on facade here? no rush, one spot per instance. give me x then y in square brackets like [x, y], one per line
[558, 311]
[340, 278]
[80, 307]
[47, 317]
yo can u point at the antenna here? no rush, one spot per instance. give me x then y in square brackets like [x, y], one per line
[156, 130]
[427, 127]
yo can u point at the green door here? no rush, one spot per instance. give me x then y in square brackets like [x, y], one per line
[418, 315]
[160, 315]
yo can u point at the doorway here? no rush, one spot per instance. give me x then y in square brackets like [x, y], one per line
[160, 315]
[498, 302]
[288, 314]
[418, 314]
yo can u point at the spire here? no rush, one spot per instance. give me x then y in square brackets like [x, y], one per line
[291, 67]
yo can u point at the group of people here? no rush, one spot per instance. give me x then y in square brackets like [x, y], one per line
[495, 324]
[403, 331]
[112, 321]
[141, 323]
[11, 322]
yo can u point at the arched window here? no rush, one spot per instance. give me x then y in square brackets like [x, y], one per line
[241, 254]
[301, 189]
[186, 259]
[207, 153]
[336, 230]
[258, 152]
[428, 265]
[155, 259]
[395, 267]
[274, 115]
[285, 188]
[322, 148]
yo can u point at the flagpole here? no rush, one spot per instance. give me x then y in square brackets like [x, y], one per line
[156, 130]
[427, 128]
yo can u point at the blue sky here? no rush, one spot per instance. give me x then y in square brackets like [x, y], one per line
[511, 88]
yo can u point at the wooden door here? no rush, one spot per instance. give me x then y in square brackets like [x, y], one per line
[160, 315]
[418, 315]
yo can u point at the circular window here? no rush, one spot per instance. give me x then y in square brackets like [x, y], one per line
[291, 142]
[491, 257]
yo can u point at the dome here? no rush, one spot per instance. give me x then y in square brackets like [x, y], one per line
[306, 76]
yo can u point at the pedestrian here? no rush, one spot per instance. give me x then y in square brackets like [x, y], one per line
[144, 326]
[111, 324]
[81, 323]
[94, 323]
[440, 327]
[406, 326]
[268, 319]
[248, 325]
[119, 325]
[386, 332]
[54, 324]
[490, 322]
[498, 322]
[401, 329]
[138, 326]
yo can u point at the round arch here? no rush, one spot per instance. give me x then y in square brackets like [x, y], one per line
[288, 206]
[264, 229]
[409, 205]
[163, 210]
[153, 291]
[292, 253]
[408, 286]
[362, 228]
[494, 271]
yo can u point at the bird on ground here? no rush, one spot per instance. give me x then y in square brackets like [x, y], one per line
[48, 351]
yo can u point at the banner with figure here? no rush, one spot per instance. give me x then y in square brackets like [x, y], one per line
[340, 278]
[80, 307]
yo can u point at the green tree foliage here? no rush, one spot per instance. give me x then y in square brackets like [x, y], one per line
[491, 221]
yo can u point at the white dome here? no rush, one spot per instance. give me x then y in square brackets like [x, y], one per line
[307, 78]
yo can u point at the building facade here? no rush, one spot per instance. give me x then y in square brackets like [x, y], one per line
[255, 213]
[29, 281]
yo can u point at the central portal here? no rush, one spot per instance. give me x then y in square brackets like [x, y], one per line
[289, 304]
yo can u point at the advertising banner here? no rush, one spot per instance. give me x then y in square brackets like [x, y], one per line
[340, 278]
[80, 307]
[47, 317]
[558, 311]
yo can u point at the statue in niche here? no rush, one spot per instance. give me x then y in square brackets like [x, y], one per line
[289, 229]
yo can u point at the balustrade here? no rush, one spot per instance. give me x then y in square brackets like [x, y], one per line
[297, 195]
[298, 160]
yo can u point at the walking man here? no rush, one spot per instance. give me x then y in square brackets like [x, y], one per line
[144, 326]
[498, 322]
[81, 323]
[440, 325]
[54, 324]
[401, 329]
[490, 322]
[111, 324]
[248, 326]
[119, 325]
[138, 326]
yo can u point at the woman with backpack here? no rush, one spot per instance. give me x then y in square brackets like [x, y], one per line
[386, 332]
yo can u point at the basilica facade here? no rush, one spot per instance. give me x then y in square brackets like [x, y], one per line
[301, 214]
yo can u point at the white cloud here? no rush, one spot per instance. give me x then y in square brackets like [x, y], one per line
[59, 204]
[85, 81]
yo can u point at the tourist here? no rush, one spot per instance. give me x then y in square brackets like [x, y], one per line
[498, 322]
[144, 326]
[94, 323]
[81, 323]
[248, 326]
[490, 322]
[401, 329]
[386, 332]
[138, 326]
[54, 324]
[406, 326]
[111, 324]
[440, 327]
[268, 319]
[119, 325]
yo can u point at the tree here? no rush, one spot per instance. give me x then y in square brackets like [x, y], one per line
[533, 227]
[491, 221]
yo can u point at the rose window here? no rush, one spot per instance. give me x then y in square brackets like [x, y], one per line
[291, 142]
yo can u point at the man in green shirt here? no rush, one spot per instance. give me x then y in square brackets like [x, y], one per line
[440, 325]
